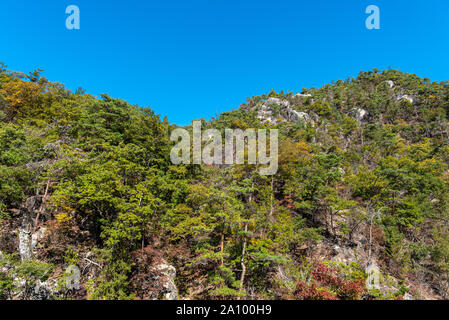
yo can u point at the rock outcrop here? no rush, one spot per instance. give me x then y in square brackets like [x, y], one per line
[37, 237]
[169, 291]
[390, 84]
[360, 114]
[276, 109]
[406, 97]
[25, 243]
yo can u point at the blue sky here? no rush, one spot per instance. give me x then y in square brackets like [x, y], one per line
[196, 58]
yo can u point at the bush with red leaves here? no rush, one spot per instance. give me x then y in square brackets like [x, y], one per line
[312, 292]
[145, 280]
[328, 284]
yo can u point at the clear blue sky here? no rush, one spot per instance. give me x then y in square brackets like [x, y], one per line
[195, 58]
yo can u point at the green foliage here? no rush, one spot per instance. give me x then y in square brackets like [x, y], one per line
[104, 165]
[32, 271]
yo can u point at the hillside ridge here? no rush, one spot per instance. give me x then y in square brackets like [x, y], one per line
[91, 207]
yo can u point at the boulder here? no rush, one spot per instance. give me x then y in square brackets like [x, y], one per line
[295, 116]
[43, 290]
[408, 296]
[170, 291]
[37, 237]
[406, 97]
[360, 114]
[390, 84]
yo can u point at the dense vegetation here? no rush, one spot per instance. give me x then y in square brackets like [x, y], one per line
[369, 175]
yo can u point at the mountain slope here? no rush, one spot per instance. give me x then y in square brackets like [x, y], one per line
[362, 182]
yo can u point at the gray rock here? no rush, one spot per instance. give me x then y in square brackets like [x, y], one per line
[360, 114]
[406, 97]
[170, 291]
[302, 95]
[286, 112]
[265, 114]
[284, 278]
[42, 291]
[278, 101]
[37, 237]
[295, 116]
[408, 296]
[19, 283]
[390, 84]
[25, 246]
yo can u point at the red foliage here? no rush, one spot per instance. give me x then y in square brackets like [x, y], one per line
[311, 292]
[329, 281]
[288, 202]
[144, 276]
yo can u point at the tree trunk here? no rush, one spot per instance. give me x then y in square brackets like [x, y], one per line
[271, 199]
[332, 222]
[242, 261]
[41, 209]
[222, 247]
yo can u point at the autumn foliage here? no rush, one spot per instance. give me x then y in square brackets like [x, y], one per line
[329, 284]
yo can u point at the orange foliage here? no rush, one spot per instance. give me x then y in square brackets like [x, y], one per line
[21, 97]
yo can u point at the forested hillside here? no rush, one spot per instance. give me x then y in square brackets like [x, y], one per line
[363, 180]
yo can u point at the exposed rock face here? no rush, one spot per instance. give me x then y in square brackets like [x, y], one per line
[24, 232]
[282, 276]
[37, 237]
[277, 101]
[360, 114]
[406, 97]
[170, 291]
[390, 84]
[28, 242]
[25, 243]
[302, 95]
[265, 113]
[376, 277]
[295, 116]
[286, 113]
[408, 296]
[343, 254]
[43, 290]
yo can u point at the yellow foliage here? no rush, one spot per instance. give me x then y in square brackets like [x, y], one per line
[296, 152]
[22, 97]
[63, 217]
